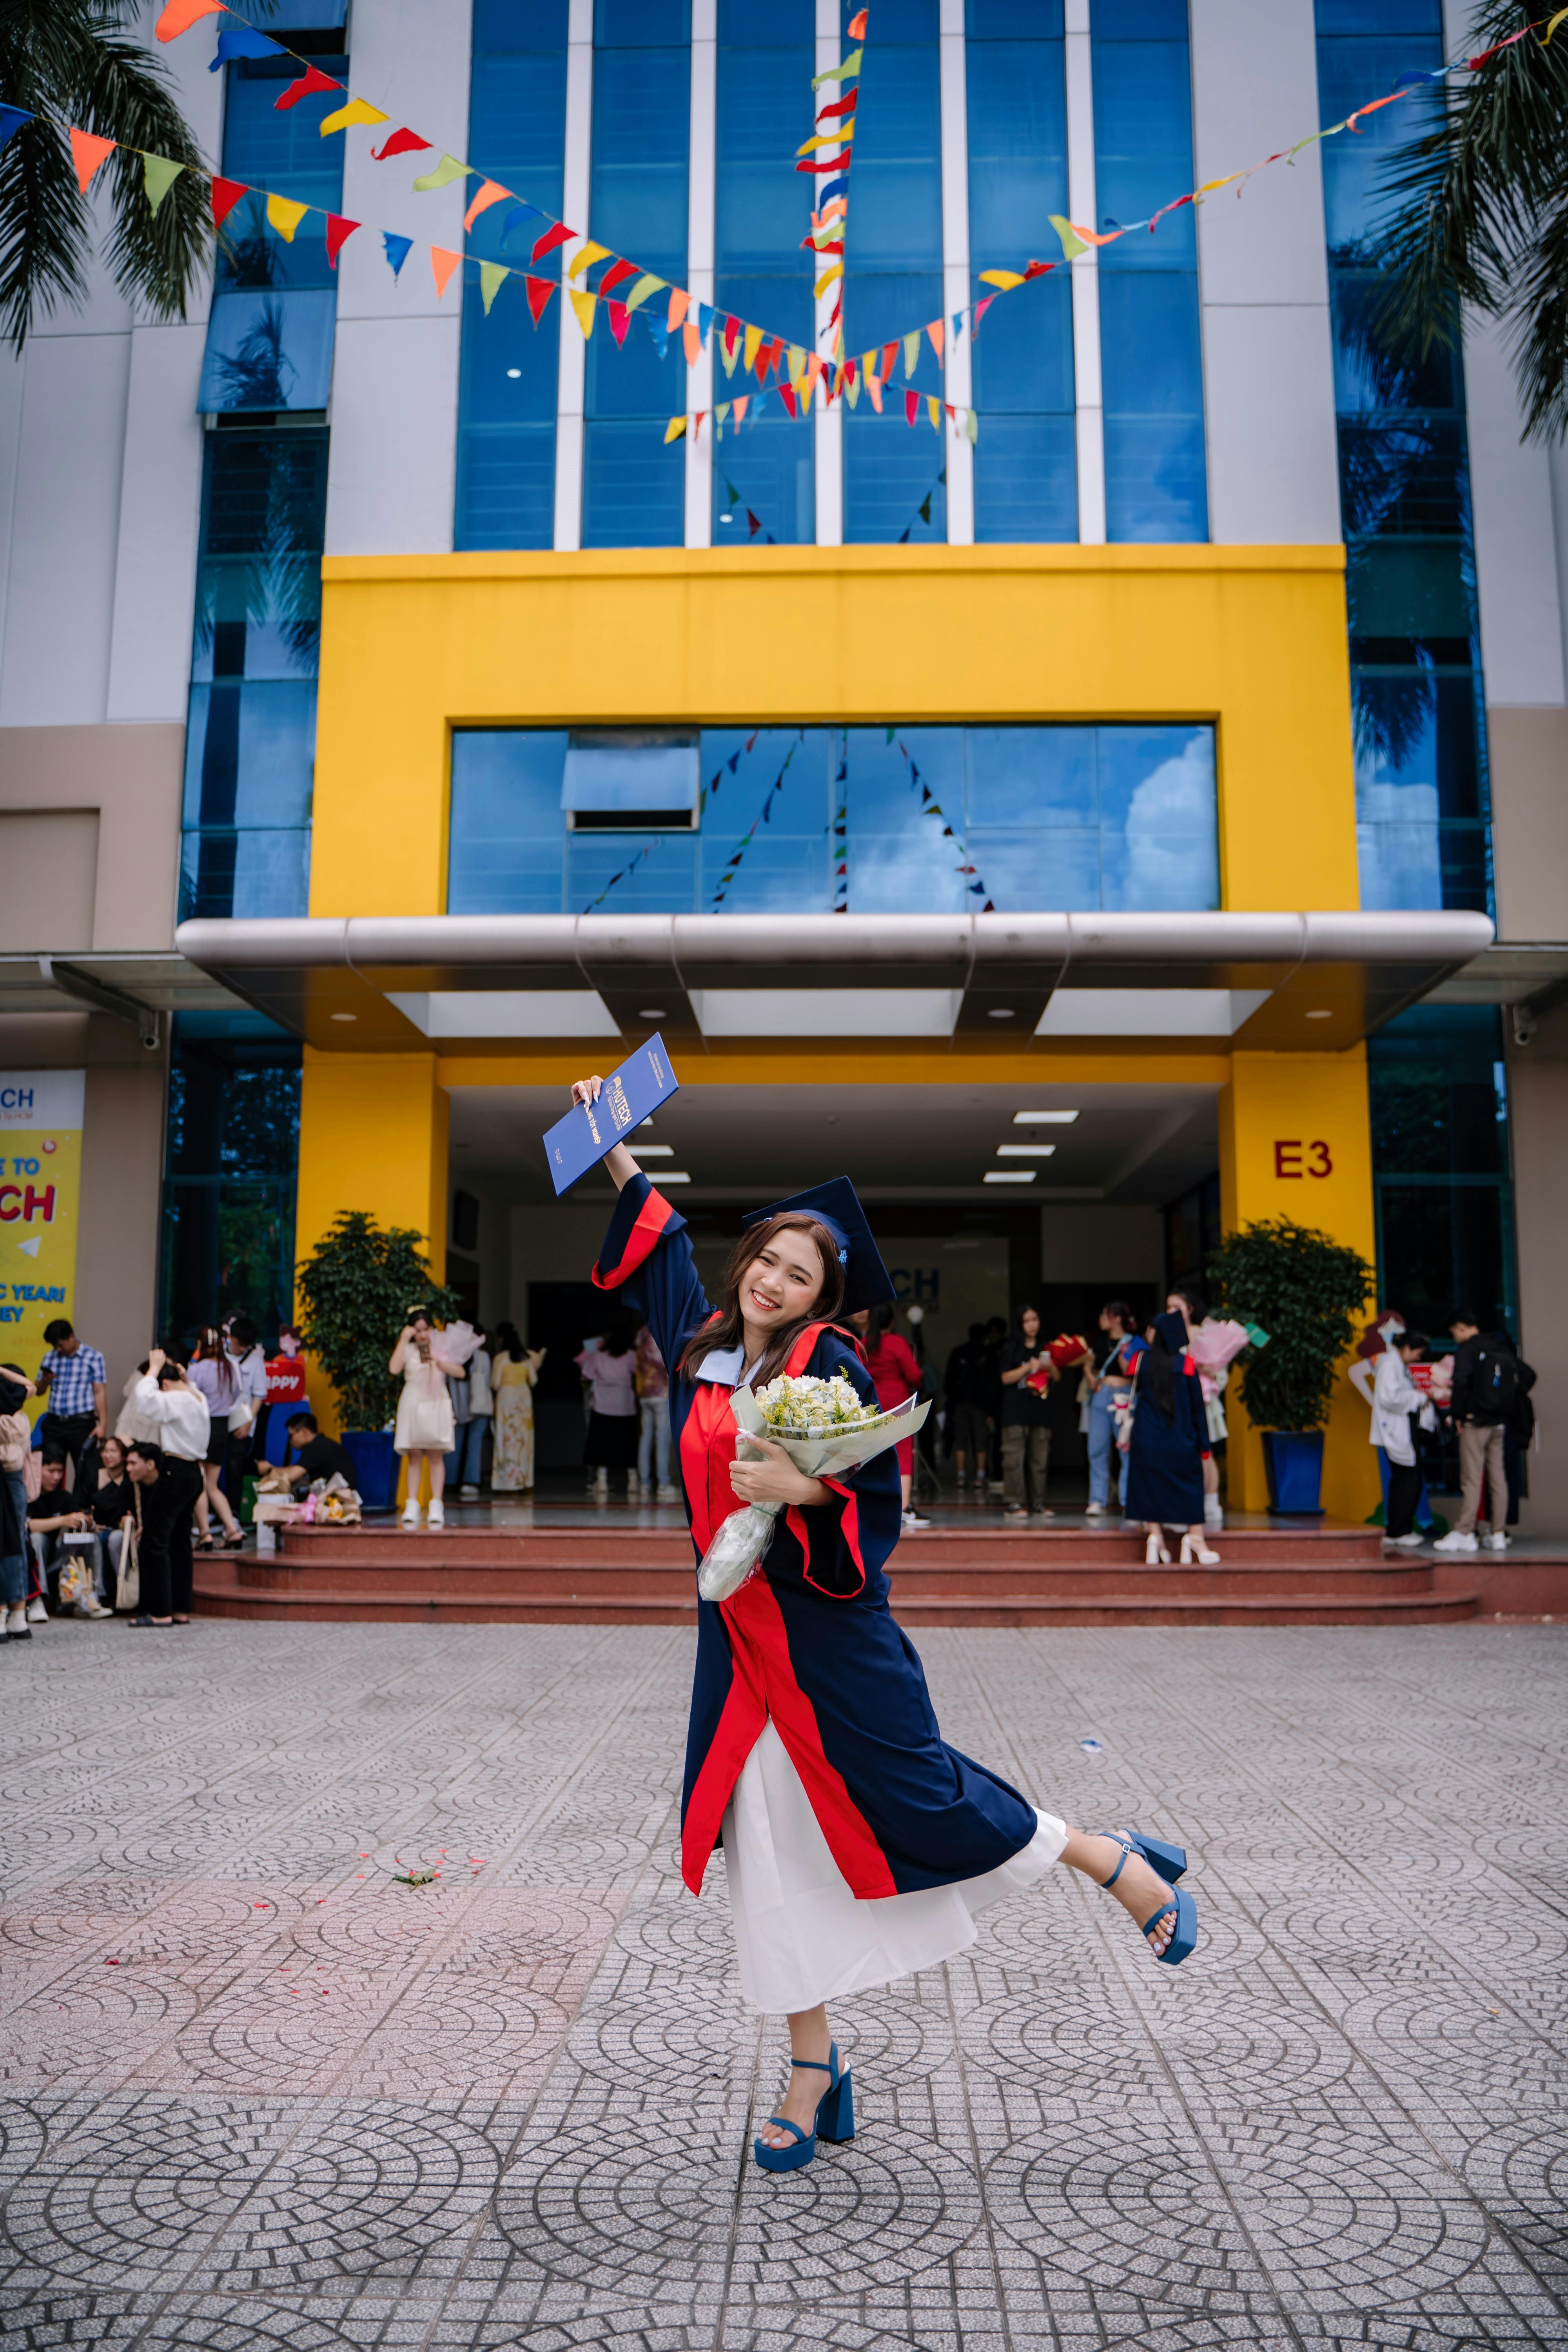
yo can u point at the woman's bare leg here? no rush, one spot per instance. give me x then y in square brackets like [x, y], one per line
[437, 1475]
[213, 1497]
[809, 2038]
[1140, 1889]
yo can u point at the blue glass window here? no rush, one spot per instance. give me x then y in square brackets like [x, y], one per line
[895, 484]
[1421, 786]
[763, 477]
[1156, 483]
[269, 336]
[1026, 463]
[937, 820]
[506, 425]
[634, 486]
[251, 736]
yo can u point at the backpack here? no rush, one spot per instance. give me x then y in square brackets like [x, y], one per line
[1502, 1378]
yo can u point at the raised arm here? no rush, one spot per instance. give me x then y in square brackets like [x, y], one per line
[618, 1163]
[647, 1250]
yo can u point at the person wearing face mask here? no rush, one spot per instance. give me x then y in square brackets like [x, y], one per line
[858, 1845]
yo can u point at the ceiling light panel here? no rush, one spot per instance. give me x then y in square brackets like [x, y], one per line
[1024, 1150]
[1010, 1175]
[1044, 1118]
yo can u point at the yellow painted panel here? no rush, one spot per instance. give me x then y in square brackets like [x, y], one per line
[1252, 639]
[1295, 1141]
[373, 1135]
[889, 1062]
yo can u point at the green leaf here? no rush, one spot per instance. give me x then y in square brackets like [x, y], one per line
[1304, 1294]
[358, 1285]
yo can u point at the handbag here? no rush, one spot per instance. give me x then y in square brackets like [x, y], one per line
[76, 1579]
[128, 1580]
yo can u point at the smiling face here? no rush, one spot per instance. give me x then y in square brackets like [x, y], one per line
[782, 1284]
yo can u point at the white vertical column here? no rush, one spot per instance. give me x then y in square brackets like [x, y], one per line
[701, 179]
[1088, 397]
[827, 424]
[572, 371]
[955, 268]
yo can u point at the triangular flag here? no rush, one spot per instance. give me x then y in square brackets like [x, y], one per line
[517, 216]
[720, 413]
[658, 333]
[447, 169]
[492, 277]
[584, 258]
[242, 41]
[402, 142]
[89, 152]
[442, 264]
[585, 305]
[851, 66]
[753, 341]
[826, 278]
[399, 249]
[857, 25]
[646, 284]
[692, 341]
[1006, 278]
[786, 393]
[620, 319]
[310, 81]
[851, 384]
[11, 120]
[972, 423]
[285, 216]
[181, 14]
[874, 386]
[925, 508]
[226, 193]
[491, 192]
[704, 320]
[729, 344]
[696, 424]
[1072, 244]
[539, 291]
[911, 353]
[980, 311]
[557, 235]
[358, 110]
[935, 331]
[159, 173]
[889, 360]
[674, 430]
[339, 232]
[741, 407]
[616, 275]
[911, 406]
[813, 370]
[933, 410]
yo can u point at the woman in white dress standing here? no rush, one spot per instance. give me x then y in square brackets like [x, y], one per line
[425, 1427]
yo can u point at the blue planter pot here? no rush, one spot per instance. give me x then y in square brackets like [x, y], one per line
[375, 1467]
[1293, 1463]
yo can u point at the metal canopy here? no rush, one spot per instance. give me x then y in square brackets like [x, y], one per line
[1325, 979]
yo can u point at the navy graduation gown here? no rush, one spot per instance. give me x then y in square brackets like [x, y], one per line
[810, 1642]
[1166, 1458]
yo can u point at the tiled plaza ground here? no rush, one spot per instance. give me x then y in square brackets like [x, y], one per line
[253, 2093]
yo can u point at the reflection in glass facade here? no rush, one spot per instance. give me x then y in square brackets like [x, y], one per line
[893, 276]
[506, 417]
[634, 486]
[1440, 1158]
[1421, 798]
[231, 1159]
[766, 59]
[1025, 467]
[250, 744]
[940, 820]
[1156, 479]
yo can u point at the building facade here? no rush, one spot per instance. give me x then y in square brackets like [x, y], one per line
[1092, 834]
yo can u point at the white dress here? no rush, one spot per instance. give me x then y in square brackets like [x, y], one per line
[801, 1936]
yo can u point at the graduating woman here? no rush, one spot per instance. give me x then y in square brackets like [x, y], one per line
[1169, 1441]
[857, 1846]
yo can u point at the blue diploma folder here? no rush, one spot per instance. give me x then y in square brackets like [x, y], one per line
[580, 1140]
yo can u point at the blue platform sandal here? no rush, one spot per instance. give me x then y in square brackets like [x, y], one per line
[1170, 1860]
[834, 2118]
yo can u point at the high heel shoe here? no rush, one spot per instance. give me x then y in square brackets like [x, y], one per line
[834, 2118]
[1170, 1860]
[1194, 1548]
[1154, 1552]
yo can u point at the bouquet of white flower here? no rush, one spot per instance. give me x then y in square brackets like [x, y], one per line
[826, 1430]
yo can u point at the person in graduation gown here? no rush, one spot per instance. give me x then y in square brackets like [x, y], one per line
[858, 1845]
[1169, 1441]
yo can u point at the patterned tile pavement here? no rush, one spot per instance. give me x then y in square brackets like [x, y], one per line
[256, 2094]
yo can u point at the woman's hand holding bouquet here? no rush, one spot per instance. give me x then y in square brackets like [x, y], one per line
[765, 1474]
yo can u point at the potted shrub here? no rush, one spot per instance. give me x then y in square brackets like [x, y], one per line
[1309, 1293]
[358, 1283]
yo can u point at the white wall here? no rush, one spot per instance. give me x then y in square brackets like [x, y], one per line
[392, 472]
[1268, 358]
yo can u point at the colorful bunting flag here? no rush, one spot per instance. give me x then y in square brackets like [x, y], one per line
[539, 291]
[1072, 244]
[225, 194]
[402, 142]
[646, 284]
[585, 305]
[857, 25]
[90, 153]
[442, 264]
[181, 14]
[620, 319]
[159, 173]
[911, 406]
[493, 276]
[585, 256]
[339, 232]
[242, 41]
[490, 192]
[447, 169]
[679, 303]
[11, 120]
[674, 430]
[517, 216]
[397, 248]
[845, 72]
[285, 216]
[358, 110]
[310, 81]
[558, 234]
[616, 275]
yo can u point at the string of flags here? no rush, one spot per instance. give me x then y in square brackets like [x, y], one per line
[830, 216]
[930, 806]
[630, 867]
[732, 863]
[799, 372]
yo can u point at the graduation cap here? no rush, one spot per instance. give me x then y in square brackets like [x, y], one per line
[836, 1205]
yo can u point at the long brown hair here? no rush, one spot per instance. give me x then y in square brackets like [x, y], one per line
[727, 1329]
